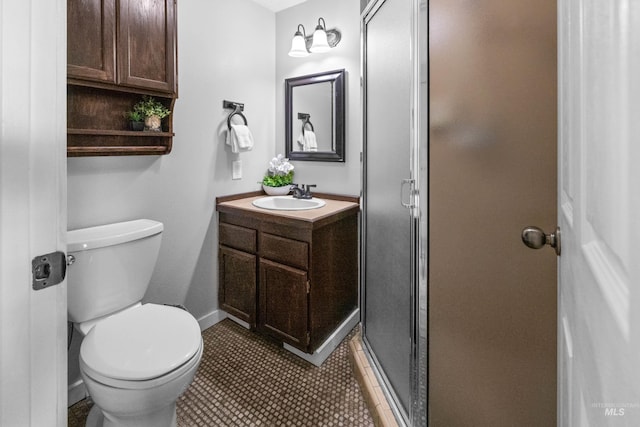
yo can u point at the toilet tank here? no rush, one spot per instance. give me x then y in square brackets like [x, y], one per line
[112, 268]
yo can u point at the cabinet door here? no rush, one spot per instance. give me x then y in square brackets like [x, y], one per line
[284, 303]
[146, 44]
[237, 284]
[91, 39]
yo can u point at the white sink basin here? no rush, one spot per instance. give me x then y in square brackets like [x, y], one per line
[288, 203]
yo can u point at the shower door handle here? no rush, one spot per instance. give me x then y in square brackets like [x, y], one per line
[411, 183]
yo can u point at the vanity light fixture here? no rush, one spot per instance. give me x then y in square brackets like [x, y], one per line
[322, 40]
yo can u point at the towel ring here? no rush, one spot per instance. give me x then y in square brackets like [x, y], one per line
[237, 109]
[305, 121]
[238, 112]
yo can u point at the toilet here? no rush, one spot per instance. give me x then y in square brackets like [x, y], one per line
[135, 359]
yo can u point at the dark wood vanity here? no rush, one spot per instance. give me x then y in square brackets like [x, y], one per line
[292, 275]
[118, 51]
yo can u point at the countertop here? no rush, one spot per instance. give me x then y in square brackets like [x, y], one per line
[332, 208]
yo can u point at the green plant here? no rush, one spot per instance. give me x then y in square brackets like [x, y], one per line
[149, 106]
[134, 115]
[280, 172]
[278, 180]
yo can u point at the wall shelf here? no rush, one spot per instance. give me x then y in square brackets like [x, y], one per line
[97, 125]
[108, 132]
[104, 150]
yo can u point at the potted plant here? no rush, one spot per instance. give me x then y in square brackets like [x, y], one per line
[153, 112]
[279, 177]
[136, 119]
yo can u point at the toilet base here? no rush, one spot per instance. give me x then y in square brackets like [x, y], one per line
[96, 418]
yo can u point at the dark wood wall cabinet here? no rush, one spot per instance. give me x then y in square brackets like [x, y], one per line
[118, 51]
[290, 275]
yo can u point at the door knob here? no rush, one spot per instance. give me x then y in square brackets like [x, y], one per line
[535, 238]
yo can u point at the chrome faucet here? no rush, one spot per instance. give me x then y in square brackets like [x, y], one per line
[302, 193]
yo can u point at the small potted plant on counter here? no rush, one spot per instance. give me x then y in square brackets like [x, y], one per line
[136, 119]
[279, 177]
[153, 112]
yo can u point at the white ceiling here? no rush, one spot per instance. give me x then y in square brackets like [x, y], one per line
[278, 5]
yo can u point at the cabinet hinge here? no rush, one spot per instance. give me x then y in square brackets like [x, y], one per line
[308, 338]
[308, 286]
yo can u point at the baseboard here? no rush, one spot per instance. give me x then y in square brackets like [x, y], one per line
[330, 344]
[210, 319]
[238, 321]
[76, 392]
[372, 392]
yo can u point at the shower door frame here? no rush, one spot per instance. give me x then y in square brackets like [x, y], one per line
[417, 212]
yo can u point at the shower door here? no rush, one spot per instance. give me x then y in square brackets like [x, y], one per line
[388, 215]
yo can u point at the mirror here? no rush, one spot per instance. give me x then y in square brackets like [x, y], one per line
[314, 117]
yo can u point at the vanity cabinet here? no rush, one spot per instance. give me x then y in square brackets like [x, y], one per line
[237, 271]
[291, 275]
[118, 51]
[284, 303]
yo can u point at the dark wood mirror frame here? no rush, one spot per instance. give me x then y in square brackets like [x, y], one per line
[337, 78]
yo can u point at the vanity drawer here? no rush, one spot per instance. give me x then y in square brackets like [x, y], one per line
[237, 237]
[285, 251]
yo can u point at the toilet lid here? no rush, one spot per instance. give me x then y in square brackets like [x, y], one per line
[141, 344]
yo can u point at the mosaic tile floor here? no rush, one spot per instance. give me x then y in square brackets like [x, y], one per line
[246, 380]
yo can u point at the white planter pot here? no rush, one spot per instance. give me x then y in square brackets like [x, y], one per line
[277, 191]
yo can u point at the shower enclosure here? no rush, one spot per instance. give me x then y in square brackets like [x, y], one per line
[394, 222]
[459, 125]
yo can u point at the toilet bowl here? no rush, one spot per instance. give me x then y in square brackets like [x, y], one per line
[135, 365]
[135, 359]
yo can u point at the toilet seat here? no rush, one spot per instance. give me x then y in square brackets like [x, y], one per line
[141, 345]
[186, 369]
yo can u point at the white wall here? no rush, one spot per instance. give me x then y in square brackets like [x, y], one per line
[340, 178]
[225, 51]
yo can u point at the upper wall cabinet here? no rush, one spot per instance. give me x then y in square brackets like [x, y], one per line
[129, 43]
[91, 40]
[146, 44]
[117, 51]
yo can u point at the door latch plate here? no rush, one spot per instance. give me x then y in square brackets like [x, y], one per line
[48, 270]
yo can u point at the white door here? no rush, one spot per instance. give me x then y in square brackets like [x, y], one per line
[492, 170]
[33, 333]
[599, 213]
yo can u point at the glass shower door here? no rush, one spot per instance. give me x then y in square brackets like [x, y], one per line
[387, 225]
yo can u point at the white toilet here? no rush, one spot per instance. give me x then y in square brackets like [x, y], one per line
[135, 359]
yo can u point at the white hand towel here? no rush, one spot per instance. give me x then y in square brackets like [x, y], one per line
[308, 141]
[240, 138]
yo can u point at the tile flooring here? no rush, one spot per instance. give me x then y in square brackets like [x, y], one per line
[246, 380]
